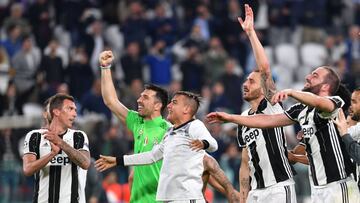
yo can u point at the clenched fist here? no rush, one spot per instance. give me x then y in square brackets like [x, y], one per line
[106, 58]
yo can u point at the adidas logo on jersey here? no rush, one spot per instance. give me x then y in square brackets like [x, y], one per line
[59, 160]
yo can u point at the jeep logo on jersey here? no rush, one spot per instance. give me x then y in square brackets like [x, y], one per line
[251, 135]
[308, 131]
[59, 160]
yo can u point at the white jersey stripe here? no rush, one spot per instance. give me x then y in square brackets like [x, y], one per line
[281, 148]
[336, 146]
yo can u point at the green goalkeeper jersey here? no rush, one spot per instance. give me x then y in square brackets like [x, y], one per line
[147, 133]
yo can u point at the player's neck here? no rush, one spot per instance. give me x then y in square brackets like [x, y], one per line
[57, 127]
[152, 116]
[255, 103]
[182, 121]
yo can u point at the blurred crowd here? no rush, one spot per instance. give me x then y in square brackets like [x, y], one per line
[51, 46]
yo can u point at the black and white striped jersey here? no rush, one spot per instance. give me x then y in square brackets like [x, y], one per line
[328, 159]
[267, 150]
[60, 181]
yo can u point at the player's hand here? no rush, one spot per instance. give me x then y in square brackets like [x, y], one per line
[54, 149]
[248, 24]
[217, 117]
[105, 162]
[196, 145]
[52, 137]
[106, 58]
[281, 96]
[341, 123]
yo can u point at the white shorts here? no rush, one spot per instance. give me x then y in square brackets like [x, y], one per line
[283, 192]
[345, 191]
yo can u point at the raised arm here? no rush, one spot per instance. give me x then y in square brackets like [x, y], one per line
[323, 104]
[107, 86]
[253, 121]
[259, 53]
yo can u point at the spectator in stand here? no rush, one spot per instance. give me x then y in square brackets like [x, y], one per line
[160, 64]
[26, 64]
[131, 63]
[215, 59]
[13, 42]
[232, 85]
[16, 18]
[193, 70]
[135, 27]
[92, 101]
[80, 75]
[163, 27]
[39, 16]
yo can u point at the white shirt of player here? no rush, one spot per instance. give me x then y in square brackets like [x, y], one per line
[181, 172]
[60, 180]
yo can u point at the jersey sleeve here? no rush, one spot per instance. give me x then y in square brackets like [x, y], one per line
[354, 132]
[145, 158]
[294, 111]
[81, 141]
[132, 119]
[199, 131]
[32, 143]
[240, 139]
[338, 102]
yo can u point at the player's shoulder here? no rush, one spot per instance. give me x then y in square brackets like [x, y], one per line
[74, 131]
[35, 131]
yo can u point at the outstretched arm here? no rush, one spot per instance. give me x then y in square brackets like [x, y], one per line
[259, 53]
[253, 121]
[218, 179]
[107, 86]
[324, 104]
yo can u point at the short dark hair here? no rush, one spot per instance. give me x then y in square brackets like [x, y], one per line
[194, 98]
[357, 89]
[333, 79]
[161, 94]
[57, 101]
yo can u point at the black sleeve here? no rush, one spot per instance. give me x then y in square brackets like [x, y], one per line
[240, 139]
[294, 111]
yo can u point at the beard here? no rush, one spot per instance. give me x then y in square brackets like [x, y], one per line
[253, 95]
[313, 89]
[356, 117]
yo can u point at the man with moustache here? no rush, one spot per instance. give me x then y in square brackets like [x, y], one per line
[330, 165]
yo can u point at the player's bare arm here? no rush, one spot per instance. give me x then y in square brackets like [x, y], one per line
[32, 165]
[244, 176]
[79, 157]
[253, 121]
[262, 61]
[322, 103]
[105, 162]
[219, 180]
[107, 86]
